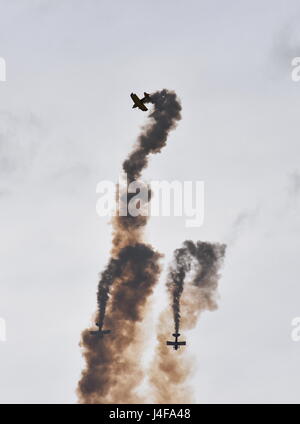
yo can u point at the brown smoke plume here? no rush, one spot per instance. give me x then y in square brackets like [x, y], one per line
[113, 371]
[192, 284]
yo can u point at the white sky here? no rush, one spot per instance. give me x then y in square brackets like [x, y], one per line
[66, 123]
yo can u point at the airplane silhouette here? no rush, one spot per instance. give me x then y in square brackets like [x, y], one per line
[176, 344]
[139, 102]
[99, 332]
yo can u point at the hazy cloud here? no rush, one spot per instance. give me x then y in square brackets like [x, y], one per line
[294, 184]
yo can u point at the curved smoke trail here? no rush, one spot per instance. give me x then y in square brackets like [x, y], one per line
[113, 371]
[192, 284]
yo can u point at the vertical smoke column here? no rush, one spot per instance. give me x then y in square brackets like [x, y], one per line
[113, 370]
[192, 284]
[178, 270]
[112, 272]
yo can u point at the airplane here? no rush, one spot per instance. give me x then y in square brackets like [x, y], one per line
[139, 102]
[176, 344]
[100, 332]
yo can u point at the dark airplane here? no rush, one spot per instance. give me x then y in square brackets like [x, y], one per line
[139, 102]
[176, 344]
[100, 332]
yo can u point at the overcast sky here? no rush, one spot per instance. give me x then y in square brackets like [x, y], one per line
[66, 123]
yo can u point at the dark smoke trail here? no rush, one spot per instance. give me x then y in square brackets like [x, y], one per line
[192, 284]
[164, 117]
[113, 271]
[176, 277]
[202, 258]
[113, 371]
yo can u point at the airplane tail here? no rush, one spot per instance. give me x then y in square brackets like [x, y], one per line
[176, 334]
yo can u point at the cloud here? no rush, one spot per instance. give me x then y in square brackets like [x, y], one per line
[242, 221]
[20, 135]
[286, 45]
[294, 184]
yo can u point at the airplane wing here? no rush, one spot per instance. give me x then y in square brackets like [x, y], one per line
[134, 98]
[181, 343]
[171, 343]
[100, 332]
[142, 107]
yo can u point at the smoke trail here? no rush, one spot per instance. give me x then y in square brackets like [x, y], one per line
[112, 272]
[164, 117]
[113, 371]
[177, 273]
[204, 260]
[192, 283]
